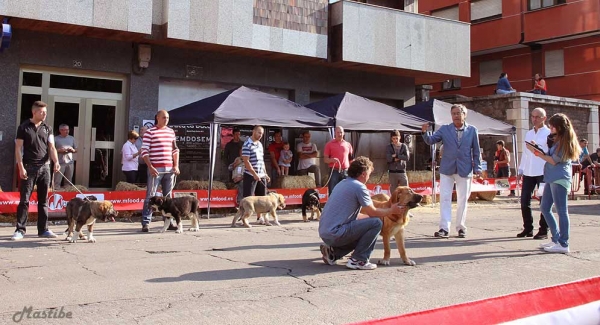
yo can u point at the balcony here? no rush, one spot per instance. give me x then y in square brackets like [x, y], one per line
[134, 16]
[298, 28]
[428, 48]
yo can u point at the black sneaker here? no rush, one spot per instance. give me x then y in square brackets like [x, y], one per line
[541, 235]
[462, 233]
[525, 233]
[145, 228]
[441, 234]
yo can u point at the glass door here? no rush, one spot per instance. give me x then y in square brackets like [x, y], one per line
[70, 111]
[100, 123]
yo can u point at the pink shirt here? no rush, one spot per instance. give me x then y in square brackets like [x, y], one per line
[340, 150]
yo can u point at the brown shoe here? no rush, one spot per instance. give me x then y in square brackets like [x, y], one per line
[145, 228]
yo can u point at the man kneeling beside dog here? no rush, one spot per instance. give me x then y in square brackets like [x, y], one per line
[343, 233]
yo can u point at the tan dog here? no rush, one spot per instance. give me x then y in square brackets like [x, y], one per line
[84, 212]
[393, 225]
[259, 204]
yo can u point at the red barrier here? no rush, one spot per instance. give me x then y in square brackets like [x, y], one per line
[572, 303]
[134, 200]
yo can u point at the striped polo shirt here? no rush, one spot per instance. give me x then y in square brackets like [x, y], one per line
[159, 145]
[255, 152]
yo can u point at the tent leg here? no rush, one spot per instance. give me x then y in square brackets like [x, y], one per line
[433, 165]
[515, 158]
[211, 171]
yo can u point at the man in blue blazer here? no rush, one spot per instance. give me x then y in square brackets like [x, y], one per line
[461, 159]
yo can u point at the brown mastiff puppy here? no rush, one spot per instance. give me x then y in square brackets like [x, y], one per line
[259, 204]
[393, 225]
[82, 212]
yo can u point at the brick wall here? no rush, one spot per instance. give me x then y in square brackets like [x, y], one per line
[301, 15]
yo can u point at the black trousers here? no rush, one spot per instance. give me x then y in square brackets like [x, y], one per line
[253, 187]
[528, 186]
[142, 174]
[40, 176]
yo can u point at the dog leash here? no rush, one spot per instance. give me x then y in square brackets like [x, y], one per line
[331, 173]
[69, 181]
[172, 183]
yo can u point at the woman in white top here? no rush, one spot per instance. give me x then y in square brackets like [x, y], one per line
[129, 157]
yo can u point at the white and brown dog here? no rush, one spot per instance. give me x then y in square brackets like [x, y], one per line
[82, 212]
[259, 204]
[394, 224]
[185, 206]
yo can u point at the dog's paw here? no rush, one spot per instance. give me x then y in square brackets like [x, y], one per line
[92, 240]
[277, 223]
[73, 240]
[311, 218]
[68, 239]
[179, 231]
[383, 262]
[410, 262]
[196, 229]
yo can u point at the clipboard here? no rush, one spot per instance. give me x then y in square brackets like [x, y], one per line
[536, 147]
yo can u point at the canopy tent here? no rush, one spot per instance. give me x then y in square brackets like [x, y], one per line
[438, 112]
[356, 113]
[245, 106]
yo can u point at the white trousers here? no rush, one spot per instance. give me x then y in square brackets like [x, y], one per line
[463, 191]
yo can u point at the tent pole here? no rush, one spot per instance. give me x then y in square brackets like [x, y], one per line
[433, 165]
[515, 158]
[211, 171]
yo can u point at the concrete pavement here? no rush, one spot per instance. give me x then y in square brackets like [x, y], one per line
[274, 275]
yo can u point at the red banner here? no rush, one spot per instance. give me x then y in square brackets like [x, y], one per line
[134, 200]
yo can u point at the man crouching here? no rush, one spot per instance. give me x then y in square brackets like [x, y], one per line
[340, 229]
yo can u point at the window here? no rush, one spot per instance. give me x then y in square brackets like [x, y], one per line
[489, 71]
[554, 63]
[539, 4]
[451, 84]
[448, 13]
[483, 10]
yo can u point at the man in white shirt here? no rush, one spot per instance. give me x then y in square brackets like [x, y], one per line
[307, 158]
[532, 170]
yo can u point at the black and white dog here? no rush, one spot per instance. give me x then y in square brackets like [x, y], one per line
[310, 201]
[177, 208]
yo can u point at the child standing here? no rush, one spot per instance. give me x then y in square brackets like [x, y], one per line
[285, 159]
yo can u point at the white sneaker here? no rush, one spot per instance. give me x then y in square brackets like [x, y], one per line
[360, 265]
[557, 248]
[548, 244]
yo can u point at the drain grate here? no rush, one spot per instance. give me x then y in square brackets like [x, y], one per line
[161, 252]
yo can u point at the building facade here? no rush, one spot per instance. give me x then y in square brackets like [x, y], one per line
[106, 67]
[560, 39]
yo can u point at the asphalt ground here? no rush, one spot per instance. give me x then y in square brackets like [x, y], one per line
[275, 275]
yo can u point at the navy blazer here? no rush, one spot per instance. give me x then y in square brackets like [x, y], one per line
[463, 159]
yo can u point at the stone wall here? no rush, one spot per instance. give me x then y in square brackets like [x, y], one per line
[301, 15]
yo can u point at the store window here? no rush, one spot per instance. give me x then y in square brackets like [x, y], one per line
[554, 63]
[448, 13]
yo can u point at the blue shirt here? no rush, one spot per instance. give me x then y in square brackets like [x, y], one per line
[584, 152]
[342, 207]
[503, 84]
[255, 153]
[562, 171]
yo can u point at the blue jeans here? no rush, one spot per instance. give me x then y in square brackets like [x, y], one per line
[503, 92]
[336, 177]
[36, 175]
[359, 236]
[558, 195]
[166, 181]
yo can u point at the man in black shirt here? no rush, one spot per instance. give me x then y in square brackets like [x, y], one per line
[33, 149]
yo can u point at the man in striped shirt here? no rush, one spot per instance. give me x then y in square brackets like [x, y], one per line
[255, 176]
[160, 152]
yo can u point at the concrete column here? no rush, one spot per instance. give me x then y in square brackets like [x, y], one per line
[518, 115]
[593, 130]
[301, 96]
